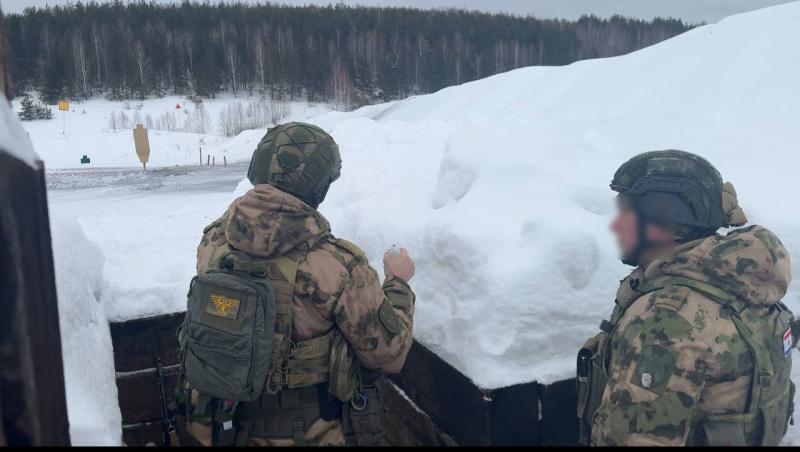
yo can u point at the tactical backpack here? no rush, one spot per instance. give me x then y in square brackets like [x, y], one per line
[236, 346]
[236, 339]
[767, 331]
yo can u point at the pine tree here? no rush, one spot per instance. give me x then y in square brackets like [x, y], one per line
[28, 112]
[43, 112]
[32, 110]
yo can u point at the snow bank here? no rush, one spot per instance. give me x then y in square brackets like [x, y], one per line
[13, 138]
[500, 187]
[85, 338]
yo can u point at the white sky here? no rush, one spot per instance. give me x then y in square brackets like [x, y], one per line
[689, 10]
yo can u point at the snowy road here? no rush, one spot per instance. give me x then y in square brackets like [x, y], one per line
[148, 225]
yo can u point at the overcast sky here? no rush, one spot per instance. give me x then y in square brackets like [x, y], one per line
[689, 10]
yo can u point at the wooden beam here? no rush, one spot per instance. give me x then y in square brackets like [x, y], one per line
[137, 341]
[34, 410]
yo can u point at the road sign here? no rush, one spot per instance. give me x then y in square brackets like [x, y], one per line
[63, 105]
[142, 144]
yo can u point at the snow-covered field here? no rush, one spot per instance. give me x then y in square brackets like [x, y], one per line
[498, 187]
[86, 130]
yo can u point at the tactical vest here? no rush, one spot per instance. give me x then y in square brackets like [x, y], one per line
[771, 393]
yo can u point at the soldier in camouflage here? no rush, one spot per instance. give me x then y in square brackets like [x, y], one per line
[698, 347]
[335, 287]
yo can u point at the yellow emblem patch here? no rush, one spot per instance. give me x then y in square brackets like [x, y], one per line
[222, 306]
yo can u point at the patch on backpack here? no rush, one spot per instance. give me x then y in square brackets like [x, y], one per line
[389, 318]
[787, 343]
[222, 306]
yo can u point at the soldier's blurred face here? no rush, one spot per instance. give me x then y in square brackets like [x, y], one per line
[625, 227]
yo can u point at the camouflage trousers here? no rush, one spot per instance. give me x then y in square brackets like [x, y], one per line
[321, 433]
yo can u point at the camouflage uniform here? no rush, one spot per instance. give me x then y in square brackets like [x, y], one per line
[335, 285]
[698, 347]
[674, 354]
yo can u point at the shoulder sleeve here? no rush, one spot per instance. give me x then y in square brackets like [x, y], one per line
[213, 238]
[376, 320]
[656, 376]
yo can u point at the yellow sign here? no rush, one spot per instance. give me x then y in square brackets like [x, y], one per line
[63, 105]
[142, 143]
[223, 306]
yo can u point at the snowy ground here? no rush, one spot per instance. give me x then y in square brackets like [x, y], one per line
[499, 187]
[85, 130]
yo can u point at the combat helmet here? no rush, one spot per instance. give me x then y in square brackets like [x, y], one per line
[298, 158]
[679, 190]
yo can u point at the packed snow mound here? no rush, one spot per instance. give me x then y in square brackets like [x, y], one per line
[13, 138]
[92, 405]
[739, 68]
[500, 187]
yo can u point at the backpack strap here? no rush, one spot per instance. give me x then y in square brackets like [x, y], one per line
[716, 294]
[734, 428]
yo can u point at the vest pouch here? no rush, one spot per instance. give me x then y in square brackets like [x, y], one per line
[343, 367]
[362, 418]
[727, 430]
[199, 416]
[590, 393]
[775, 416]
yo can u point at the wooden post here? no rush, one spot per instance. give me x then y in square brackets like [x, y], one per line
[201, 156]
[224, 160]
[208, 160]
[33, 404]
[214, 161]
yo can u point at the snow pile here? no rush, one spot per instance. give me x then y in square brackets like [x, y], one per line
[85, 338]
[500, 187]
[13, 138]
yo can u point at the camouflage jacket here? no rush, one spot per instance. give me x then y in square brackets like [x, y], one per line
[675, 355]
[335, 285]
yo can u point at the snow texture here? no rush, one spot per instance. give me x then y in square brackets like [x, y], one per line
[85, 338]
[498, 187]
[13, 138]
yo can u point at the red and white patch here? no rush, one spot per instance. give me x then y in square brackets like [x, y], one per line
[787, 343]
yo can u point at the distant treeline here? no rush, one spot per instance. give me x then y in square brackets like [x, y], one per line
[350, 55]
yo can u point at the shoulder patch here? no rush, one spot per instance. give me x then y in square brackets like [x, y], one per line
[670, 297]
[389, 319]
[653, 368]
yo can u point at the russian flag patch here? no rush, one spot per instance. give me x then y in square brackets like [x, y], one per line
[787, 343]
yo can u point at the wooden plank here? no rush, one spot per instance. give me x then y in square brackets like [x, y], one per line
[137, 341]
[514, 415]
[405, 424]
[559, 418]
[33, 402]
[451, 399]
[138, 394]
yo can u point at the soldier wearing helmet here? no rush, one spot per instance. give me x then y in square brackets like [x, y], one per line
[697, 350]
[345, 328]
